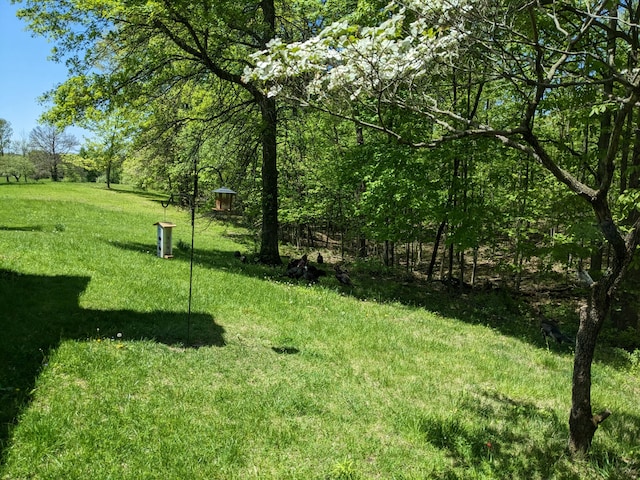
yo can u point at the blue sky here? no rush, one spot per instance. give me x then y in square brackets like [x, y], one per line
[25, 73]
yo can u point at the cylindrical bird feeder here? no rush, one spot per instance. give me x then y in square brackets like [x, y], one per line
[165, 249]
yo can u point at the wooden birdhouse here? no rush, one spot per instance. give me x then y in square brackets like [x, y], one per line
[224, 199]
[165, 249]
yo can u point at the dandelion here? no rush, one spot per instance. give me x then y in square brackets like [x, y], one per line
[119, 335]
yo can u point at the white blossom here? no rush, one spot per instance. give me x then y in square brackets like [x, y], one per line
[366, 60]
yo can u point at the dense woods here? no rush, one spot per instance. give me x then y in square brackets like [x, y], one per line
[476, 143]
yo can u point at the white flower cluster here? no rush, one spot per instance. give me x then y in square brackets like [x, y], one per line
[359, 60]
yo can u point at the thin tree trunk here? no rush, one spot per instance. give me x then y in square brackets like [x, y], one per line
[393, 254]
[327, 233]
[386, 253]
[474, 268]
[109, 175]
[436, 247]
[310, 236]
[362, 240]
[518, 263]
[362, 246]
[407, 256]
[443, 261]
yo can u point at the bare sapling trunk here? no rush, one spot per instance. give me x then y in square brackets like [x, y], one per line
[436, 247]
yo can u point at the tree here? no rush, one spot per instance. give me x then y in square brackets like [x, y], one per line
[109, 143]
[49, 144]
[16, 166]
[530, 52]
[130, 54]
[6, 132]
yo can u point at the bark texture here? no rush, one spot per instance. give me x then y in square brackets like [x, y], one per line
[269, 252]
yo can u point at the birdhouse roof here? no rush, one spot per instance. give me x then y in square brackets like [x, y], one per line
[224, 190]
[165, 224]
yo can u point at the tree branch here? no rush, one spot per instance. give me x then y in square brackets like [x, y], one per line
[202, 56]
[600, 417]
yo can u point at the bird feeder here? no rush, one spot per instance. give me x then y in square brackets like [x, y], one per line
[224, 199]
[164, 239]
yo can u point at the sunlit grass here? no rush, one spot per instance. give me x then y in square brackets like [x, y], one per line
[106, 376]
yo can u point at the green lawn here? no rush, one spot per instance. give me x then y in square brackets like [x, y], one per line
[104, 375]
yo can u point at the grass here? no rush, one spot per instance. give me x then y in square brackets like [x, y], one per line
[105, 376]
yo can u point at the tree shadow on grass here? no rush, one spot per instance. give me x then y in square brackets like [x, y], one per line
[514, 439]
[38, 312]
[508, 312]
[496, 308]
[35, 228]
[149, 195]
[204, 258]
[514, 452]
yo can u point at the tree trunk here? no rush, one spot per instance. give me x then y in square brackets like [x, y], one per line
[386, 256]
[595, 263]
[310, 236]
[436, 247]
[269, 252]
[109, 175]
[54, 169]
[474, 268]
[393, 253]
[582, 422]
[362, 246]
[462, 267]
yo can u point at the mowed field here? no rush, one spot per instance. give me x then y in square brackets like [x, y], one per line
[104, 374]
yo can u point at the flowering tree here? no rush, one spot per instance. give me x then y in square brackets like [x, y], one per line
[541, 77]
